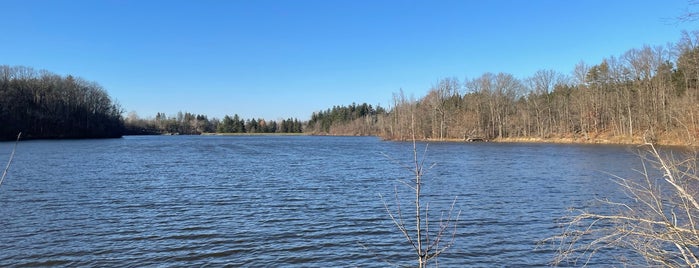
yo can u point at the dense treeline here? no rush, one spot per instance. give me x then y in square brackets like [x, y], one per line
[237, 125]
[646, 94]
[194, 124]
[182, 123]
[41, 104]
[346, 120]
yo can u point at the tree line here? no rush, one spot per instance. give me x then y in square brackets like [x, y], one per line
[41, 104]
[646, 94]
[352, 119]
[44, 105]
[236, 124]
[195, 124]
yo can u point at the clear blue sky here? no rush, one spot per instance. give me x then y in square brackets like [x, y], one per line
[279, 59]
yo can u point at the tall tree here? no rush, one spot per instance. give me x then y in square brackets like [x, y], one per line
[45, 105]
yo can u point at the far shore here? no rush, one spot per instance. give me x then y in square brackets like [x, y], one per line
[557, 140]
[254, 134]
[612, 140]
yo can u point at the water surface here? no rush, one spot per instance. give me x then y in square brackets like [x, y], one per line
[270, 201]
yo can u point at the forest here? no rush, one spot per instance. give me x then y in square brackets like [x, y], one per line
[357, 120]
[44, 105]
[195, 124]
[646, 94]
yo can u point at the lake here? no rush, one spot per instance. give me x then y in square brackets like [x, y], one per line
[285, 201]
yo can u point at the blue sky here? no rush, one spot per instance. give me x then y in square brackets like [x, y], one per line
[279, 59]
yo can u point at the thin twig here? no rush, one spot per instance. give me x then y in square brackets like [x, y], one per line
[12, 155]
[425, 241]
[658, 222]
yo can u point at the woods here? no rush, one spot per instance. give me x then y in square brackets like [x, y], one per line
[647, 94]
[346, 120]
[41, 104]
[195, 124]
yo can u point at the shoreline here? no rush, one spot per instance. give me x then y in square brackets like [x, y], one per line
[253, 134]
[605, 140]
[600, 139]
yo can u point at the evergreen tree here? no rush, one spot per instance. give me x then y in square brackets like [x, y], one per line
[227, 125]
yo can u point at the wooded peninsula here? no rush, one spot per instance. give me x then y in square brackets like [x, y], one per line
[647, 94]
[44, 105]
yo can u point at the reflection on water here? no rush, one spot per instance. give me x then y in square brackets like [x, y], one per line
[284, 200]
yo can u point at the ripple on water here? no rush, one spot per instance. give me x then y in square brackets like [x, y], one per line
[283, 201]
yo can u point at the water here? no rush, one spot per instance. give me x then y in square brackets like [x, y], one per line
[271, 201]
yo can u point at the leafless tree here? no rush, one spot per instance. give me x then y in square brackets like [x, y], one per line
[541, 85]
[648, 92]
[659, 222]
[427, 241]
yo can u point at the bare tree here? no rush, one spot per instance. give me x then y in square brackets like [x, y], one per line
[659, 223]
[541, 85]
[427, 243]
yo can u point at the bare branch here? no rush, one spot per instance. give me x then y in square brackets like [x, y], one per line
[659, 223]
[398, 222]
[425, 241]
[9, 162]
